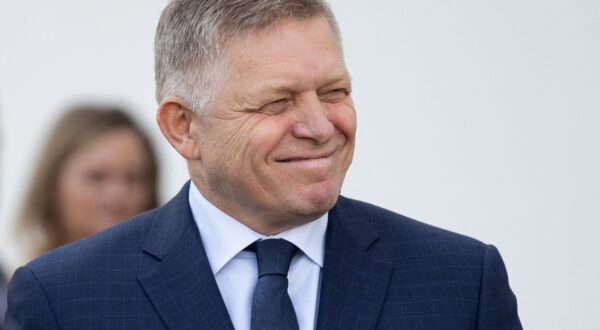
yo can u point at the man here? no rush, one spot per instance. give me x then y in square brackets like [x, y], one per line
[255, 95]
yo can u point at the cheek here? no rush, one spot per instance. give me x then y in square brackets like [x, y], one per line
[224, 143]
[345, 120]
[141, 196]
[250, 143]
[75, 198]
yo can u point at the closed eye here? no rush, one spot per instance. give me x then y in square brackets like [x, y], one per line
[334, 96]
[276, 106]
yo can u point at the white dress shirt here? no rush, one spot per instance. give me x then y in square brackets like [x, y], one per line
[235, 270]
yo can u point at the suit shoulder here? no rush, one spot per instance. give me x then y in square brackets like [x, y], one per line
[394, 228]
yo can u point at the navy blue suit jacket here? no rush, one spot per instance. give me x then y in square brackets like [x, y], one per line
[381, 270]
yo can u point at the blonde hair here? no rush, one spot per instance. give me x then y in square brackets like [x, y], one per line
[39, 223]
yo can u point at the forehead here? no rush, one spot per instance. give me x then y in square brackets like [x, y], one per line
[289, 50]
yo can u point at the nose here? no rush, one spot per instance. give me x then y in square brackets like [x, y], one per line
[313, 122]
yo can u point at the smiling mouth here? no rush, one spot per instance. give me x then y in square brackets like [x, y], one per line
[307, 158]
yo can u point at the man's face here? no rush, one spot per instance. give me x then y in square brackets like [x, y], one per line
[274, 151]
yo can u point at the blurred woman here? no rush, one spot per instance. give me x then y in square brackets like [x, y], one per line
[96, 169]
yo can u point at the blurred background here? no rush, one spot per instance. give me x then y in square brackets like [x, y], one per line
[482, 117]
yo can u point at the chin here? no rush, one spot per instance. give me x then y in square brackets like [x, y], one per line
[318, 201]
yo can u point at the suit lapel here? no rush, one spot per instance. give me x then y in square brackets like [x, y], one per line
[185, 294]
[181, 286]
[354, 283]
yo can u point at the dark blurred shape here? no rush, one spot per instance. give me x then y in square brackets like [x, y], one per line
[2, 298]
[96, 169]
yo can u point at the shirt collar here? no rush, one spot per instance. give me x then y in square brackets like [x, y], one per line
[224, 237]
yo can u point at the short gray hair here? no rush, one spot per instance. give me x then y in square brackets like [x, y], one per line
[192, 36]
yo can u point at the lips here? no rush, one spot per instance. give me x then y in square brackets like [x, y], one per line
[305, 157]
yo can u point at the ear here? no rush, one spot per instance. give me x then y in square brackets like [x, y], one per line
[175, 120]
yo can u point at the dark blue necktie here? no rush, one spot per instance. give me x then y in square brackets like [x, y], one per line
[272, 307]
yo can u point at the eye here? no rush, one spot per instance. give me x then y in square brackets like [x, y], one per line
[334, 96]
[136, 178]
[95, 176]
[276, 106]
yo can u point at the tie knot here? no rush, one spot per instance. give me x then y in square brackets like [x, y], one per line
[273, 256]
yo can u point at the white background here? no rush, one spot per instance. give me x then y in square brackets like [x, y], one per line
[482, 117]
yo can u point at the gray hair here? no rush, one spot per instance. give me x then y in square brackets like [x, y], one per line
[192, 35]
